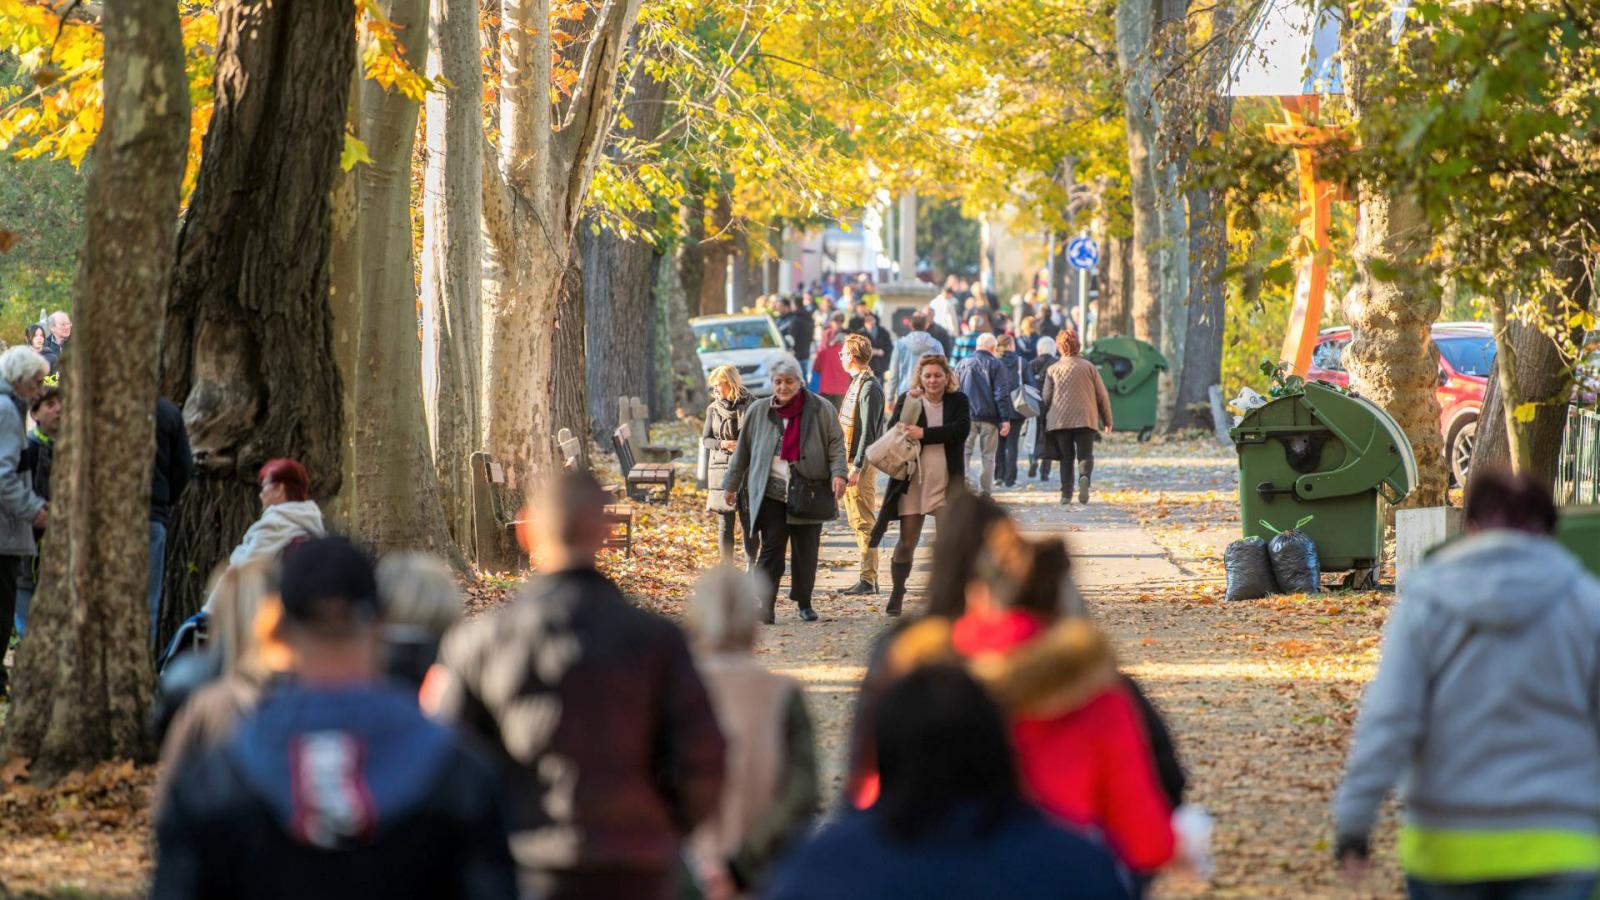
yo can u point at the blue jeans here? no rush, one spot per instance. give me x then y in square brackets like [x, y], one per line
[24, 599]
[1569, 886]
[158, 568]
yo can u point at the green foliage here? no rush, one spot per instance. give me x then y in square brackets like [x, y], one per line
[949, 239]
[41, 202]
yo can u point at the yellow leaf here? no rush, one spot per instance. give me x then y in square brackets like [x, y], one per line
[354, 152]
[1524, 412]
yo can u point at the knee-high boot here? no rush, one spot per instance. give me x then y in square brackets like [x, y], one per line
[901, 573]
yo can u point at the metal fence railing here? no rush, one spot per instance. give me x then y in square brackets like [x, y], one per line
[1578, 472]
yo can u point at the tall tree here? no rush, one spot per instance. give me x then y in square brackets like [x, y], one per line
[452, 256]
[392, 508]
[1135, 56]
[83, 677]
[533, 201]
[247, 349]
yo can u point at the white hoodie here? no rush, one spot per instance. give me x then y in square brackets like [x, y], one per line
[278, 526]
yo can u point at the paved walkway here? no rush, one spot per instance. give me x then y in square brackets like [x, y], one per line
[1260, 696]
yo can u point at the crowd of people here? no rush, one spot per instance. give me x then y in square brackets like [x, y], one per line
[771, 463]
[356, 738]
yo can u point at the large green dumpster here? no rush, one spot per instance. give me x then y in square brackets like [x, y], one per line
[1327, 454]
[1129, 367]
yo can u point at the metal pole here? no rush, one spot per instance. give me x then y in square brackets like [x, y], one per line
[1083, 305]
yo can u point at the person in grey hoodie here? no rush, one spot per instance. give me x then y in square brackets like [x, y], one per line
[22, 374]
[1486, 706]
[907, 352]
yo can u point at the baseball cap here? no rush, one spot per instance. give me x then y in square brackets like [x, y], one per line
[322, 574]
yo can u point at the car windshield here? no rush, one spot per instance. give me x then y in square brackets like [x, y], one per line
[1472, 355]
[735, 334]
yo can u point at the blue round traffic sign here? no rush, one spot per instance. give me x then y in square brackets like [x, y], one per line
[1083, 253]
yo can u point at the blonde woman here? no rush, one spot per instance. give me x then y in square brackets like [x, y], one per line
[942, 426]
[724, 418]
[420, 603]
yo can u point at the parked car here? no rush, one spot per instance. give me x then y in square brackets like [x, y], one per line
[748, 341]
[1466, 357]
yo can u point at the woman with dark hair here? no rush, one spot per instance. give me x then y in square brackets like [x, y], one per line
[951, 821]
[943, 420]
[1039, 451]
[37, 338]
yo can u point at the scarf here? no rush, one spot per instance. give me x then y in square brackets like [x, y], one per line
[789, 418]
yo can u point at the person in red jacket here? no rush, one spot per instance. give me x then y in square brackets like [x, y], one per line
[1081, 745]
[832, 380]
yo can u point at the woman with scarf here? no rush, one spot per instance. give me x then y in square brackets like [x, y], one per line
[724, 417]
[790, 463]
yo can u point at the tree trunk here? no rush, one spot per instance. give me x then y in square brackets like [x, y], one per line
[82, 687]
[1543, 376]
[1202, 358]
[689, 262]
[619, 278]
[393, 508]
[1135, 32]
[716, 252]
[1116, 311]
[248, 349]
[571, 395]
[452, 258]
[683, 377]
[1060, 271]
[533, 201]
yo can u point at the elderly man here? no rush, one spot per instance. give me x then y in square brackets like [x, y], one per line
[22, 374]
[984, 381]
[60, 332]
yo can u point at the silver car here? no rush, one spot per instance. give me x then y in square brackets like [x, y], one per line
[749, 342]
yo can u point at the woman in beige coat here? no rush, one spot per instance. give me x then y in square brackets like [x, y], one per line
[1076, 409]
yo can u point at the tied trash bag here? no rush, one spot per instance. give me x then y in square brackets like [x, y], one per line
[1295, 565]
[1249, 570]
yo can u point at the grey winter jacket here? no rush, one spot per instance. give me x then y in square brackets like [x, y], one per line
[903, 361]
[1486, 695]
[18, 503]
[821, 449]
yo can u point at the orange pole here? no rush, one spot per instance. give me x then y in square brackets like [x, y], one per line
[1316, 216]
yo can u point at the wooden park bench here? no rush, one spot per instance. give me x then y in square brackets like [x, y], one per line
[494, 516]
[634, 413]
[619, 516]
[642, 480]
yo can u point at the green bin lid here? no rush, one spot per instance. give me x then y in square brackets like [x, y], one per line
[1367, 431]
[1129, 348]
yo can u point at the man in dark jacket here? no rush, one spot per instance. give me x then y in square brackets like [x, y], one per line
[336, 785]
[174, 465]
[598, 721]
[799, 327]
[942, 335]
[861, 419]
[983, 380]
[882, 343]
[39, 457]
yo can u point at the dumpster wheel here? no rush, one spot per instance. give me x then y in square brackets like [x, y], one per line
[1361, 580]
[1144, 434]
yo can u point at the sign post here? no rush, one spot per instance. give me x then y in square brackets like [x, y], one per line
[1084, 254]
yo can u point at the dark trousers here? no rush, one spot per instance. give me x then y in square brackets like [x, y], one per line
[725, 539]
[633, 884]
[774, 535]
[1070, 443]
[10, 568]
[1007, 458]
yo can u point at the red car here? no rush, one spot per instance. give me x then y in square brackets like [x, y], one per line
[1466, 357]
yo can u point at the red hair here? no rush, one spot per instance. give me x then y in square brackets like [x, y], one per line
[1067, 343]
[289, 473]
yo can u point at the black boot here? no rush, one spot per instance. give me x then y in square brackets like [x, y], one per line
[769, 613]
[1083, 490]
[900, 572]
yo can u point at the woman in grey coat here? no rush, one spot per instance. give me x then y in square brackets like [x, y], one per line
[790, 446]
[22, 374]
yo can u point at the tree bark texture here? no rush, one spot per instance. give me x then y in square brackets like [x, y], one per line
[716, 252]
[248, 350]
[619, 278]
[1135, 32]
[1543, 376]
[452, 257]
[344, 303]
[83, 679]
[1202, 357]
[395, 505]
[683, 378]
[1061, 272]
[1116, 294]
[572, 396]
[533, 200]
[1391, 358]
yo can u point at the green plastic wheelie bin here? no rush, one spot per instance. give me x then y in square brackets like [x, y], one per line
[1578, 530]
[1129, 367]
[1323, 453]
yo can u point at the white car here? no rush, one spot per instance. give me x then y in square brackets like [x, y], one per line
[749, 342]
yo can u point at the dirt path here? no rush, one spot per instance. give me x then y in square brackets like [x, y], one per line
[1260, 695]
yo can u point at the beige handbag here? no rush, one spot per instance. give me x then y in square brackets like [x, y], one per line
[895, 454]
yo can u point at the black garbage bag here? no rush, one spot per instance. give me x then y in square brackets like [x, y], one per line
[1295, 565]
[1249, 570]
